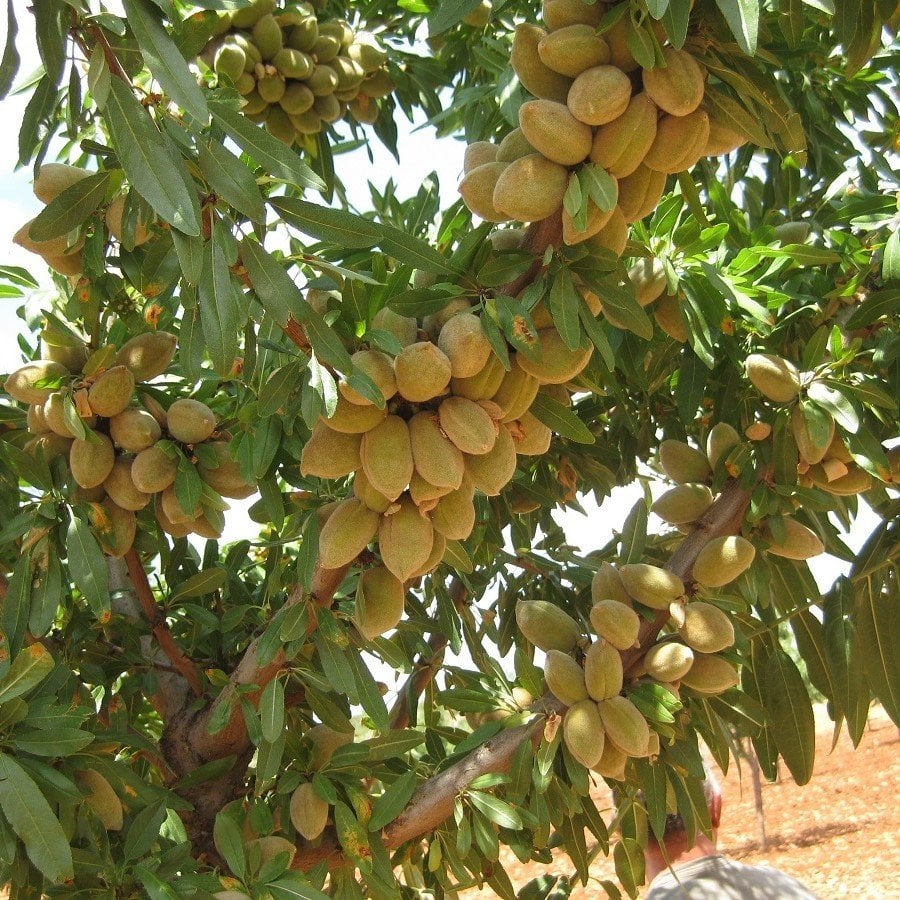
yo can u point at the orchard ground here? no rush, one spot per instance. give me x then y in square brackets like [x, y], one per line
[838, 834]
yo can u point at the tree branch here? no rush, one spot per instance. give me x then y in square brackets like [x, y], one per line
[158, 624]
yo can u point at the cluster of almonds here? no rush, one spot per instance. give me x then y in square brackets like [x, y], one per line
[602, 727]
[453, 422]
[58, 253]
[595, 106]
[825, 462]
[122, 455]
[298, 74]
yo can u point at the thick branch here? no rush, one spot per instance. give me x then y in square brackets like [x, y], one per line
[424, 670]
[158, 624]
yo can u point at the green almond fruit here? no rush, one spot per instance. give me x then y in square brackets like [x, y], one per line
[791, 539]
[677, 86]
[22, 385]
[328, 108]
[280, 126]
[190, 421]
[293, 63]
[710, 674]
[583, 732]
[599, 95]
[706, 629]
[682, 463]
[560, 14]
[267, 37]
[668, 661]
[603, 672]
[271, 88]
[775, 378]
[722, 560]
[651, 585]
[380, 598]
[553, 131]
[134, 430]
[514, 146]
[547, 626]
[405, 539]
[153, 470]
[248, 16]
[683, 504]
[721, 438]
[303, 35]
[453, 515]
[346, 533]
[624, 725]
[322, 81]
[230, 60]
[225, 476]
[534, 75]
[297, 99]
[477, 190]
[572, 49]
[564, 677]
[111, 393]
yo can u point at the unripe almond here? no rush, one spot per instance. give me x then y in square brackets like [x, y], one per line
[54, 178]
[651, 585]
[363, 490]
[329, 453]
[611, 763]
[532, 437]
[774, 377]
[683, 504]
[101, 799]
[559, 14]
[454, 513]
[380, 368]
[483, 384]
[175, 512]
[111, 392]
[811, 450]
[564, 677]
[516, 391]
[676, 87]
[346, 533]
[379, 602]
[121, 488]
[682, 463]
[405, 539]
[536, 77]
[35, 420]
[616, 623]
[668, 316]
[436, 458]
[706, 628]
[115, 213]
[309, 812]
[350, 418]
[679, 142]
[490, 472]
[531, 188]
[433, 324]
[134, 430]
[553, 131]
[555, 363]
[583, 732]
[624, 725]
[572, 49]
[513, 146]
[468, 425]
[403, 328]
[22, 384]
[613, 236]
[386, 456]
[423, 372]
[722, 560]
[190, 421]
[710, 675]
[668, 661]
[547, 626]
[435, 557]
[621, 145]
[607, 584]
[115, 528]
[324, 742]
[597, 219]
[599, 95]
[225, 476]
[153, 470]
[463, 341]
[478, 154]
[648, 275]
[854, 481]
[477, 190]
[721, 438]
[426, 495]
[603, 674]
[791, 540]
[723, 139]
[640, 192]
[91, 461]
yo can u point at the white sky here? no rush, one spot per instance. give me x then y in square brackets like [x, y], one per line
[421, 154]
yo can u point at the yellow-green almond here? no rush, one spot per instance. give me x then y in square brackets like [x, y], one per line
[621, 145]
[121, 488]
[423, 372]
[599, 95]
[612, 762]
[308, 811]
[435, 456]
[583, 732]
[426, 495]
[324, 741]
[490, 472]
[791, 539]
[468, 425]
[679, 142]
[513, 146]
[134, 430]
[405, 539]
[534, 75]
[111, 392]
[386, 456]
[683, 504]
[774, 377]
[668, 661]
[624, 725]
[572, 49]
[710, 674]
[464, 342]
[640, 192]
[682, 463]
[721, 438]
[222, 472]
[54, 178]
[346, 533]
[530, 188]
[651, 585]
[153, 470]
[190, 421]
[516, 391]
[722, 560]
[148, 355]
[648, 275]
[101, 799]
[613, 236]
[607, 584]
[677, 86]
[603, 673]
[115, 528]
[597, 220]
[329, 453]
[379, 602]
[435, 557]
[435, 322]
[616, 623]
[811, 450]
[532, 437]
[454, 513]
[91, 461]
[555, 363]
[706, 629]
[558, 14]
[668, 316]
[363, 490]
[553, 131]
[484, 384]
[351, 418]
[547, 626]
[564, 677]
[403, 328]
[380, 368]
[477, 190]
[478, 154]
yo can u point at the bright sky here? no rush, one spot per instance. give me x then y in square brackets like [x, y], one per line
[421, 154]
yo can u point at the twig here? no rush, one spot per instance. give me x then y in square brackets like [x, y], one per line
[158, 624]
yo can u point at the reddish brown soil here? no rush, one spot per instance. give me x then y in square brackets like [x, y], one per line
[838, 834]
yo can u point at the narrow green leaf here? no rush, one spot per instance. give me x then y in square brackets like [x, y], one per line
[29, 668]
[147, 161]
[367, 689]
[88, 564]
[55, 742]
[164, 59]
[230, 844]
[412, 251]
[564, 303]
[9, 65]
[273, 286]
[231, 179]
[271, 710]
[156, 888]
[201, 584]
[17, 605]
[221, 308]
[634, 534]
[561, 419]
[628, 856]
[294, 886]
[32, 819]
[70, 208]
[334, 225]
[273, 155]
[393, 801]
[143, 832]
[877, 620]
[742, 17]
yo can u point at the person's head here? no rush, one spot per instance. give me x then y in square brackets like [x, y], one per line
[675, 829]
